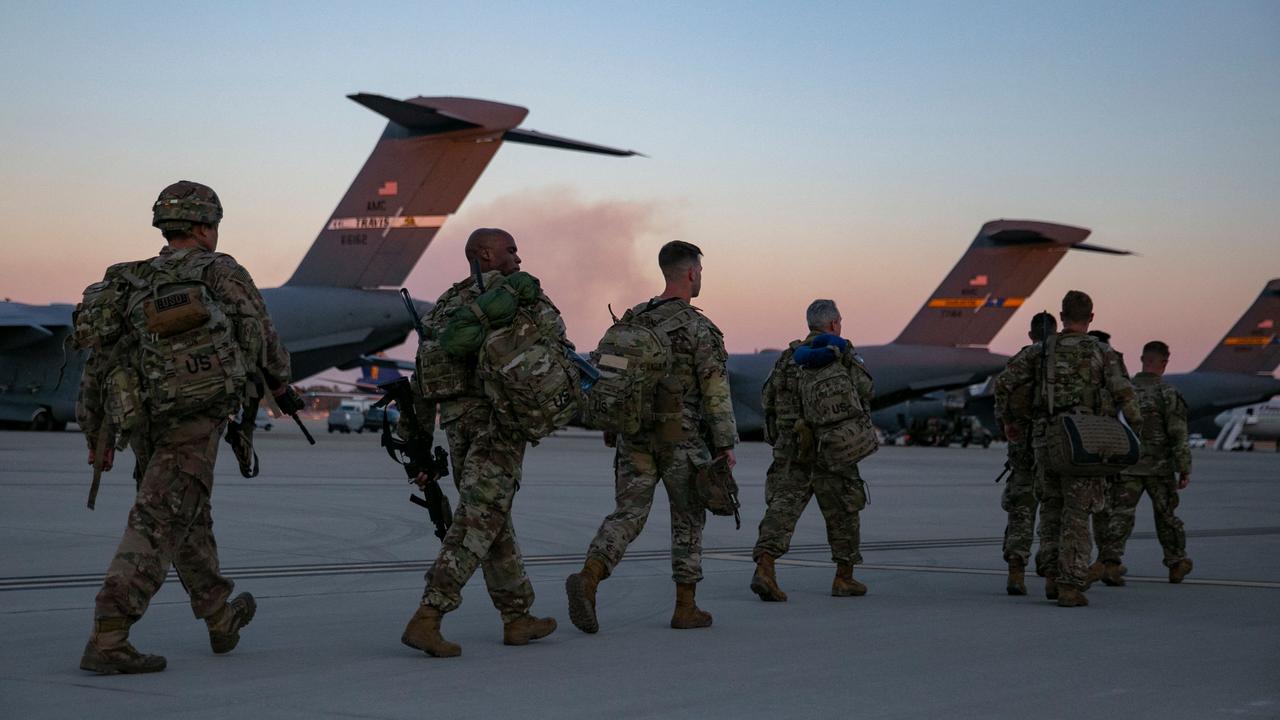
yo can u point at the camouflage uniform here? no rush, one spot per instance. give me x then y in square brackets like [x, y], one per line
[1088, 379]
[791, 481]
[1101, 518]
[1018, 499]
[1165, 455]
[486, 469]
[171, 521]
[641, 461]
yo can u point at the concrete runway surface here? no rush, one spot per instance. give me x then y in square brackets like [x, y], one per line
[327, 542]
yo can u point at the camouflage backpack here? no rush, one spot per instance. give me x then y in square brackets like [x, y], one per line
[439, 375]
[529, 377]
[188, 360]
[1083, 437]
[99, 327]
[780, 398]
[634, 359]
[841, 427]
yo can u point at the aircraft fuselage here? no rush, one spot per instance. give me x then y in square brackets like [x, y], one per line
[321, 327]
[900, 371]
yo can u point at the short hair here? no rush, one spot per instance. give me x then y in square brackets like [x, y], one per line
[677, 255]
[1043, 324]
[180, 230]
[821, 313]
[1156, 347]
[1102, 335]
[481, 236]
[1076, 306]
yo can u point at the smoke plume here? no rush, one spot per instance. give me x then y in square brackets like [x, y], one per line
[587, 253]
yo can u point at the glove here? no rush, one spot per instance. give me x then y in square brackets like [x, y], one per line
[289, 401]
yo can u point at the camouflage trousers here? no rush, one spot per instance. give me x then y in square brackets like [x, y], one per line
[1066, 502]
[787, 489]
[1018, 500]
[638, 466]
[486, 468]
[1113, 526]
[170, 523]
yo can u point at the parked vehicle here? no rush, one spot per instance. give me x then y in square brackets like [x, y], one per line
[375, 416]
[347, 417]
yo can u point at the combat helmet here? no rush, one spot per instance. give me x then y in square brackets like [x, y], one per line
[184, 203]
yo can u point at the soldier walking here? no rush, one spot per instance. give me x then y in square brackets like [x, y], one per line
[642, 460]
[1165, 468]
[791, 402]
[487, 460]
[1019, 497]
[175, 344]
[1087, 378]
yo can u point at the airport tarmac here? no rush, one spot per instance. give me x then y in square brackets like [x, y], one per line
[327, 542]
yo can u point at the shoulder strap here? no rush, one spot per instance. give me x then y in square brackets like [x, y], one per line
[679, 319]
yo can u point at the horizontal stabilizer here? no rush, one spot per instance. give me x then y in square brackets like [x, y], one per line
[1099, 249]
[1005, 264]
[1252, 346]
[533, 137]
[419, 118]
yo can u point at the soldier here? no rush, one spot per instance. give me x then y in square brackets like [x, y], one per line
[486, 468]
[1102, 518]
[798, 472]
[1165, 454]
[1087, 379]
[1019, 497]
[642, 460]
[185, 390]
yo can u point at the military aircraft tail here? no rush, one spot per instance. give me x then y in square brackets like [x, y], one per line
[1252, 345]
[1005, 264]
[430, 155]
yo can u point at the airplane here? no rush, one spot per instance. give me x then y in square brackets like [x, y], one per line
[334, 309]
[1239, 370]
[1255, 422]
[944, 346]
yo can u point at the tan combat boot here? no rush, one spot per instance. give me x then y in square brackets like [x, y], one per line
[844, 585]
[423, 633]
[1017, 583]
[1071, 596]
[1051, 587]
[1111, 576]
[687, 615]
[1095, 571]
[1179, 570]
[525, 628]
[581, 589]
[765, 583]
[108, 651]
[224, 625]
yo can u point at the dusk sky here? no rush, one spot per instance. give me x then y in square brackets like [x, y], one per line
[841, 150]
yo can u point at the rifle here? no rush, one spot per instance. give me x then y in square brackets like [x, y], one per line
[413, 313]
[240, 436]
[292, 404]
[475, 273]
[1005, 471]
[105, 440]
[417, 457]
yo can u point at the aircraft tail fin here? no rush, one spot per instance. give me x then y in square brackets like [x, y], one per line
[1005, 264]
[430, 155]
[1252, 345]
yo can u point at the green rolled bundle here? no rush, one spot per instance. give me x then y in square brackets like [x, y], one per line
[495, 308]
